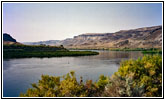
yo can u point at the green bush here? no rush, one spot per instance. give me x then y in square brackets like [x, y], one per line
[144, 73]
[52, 86]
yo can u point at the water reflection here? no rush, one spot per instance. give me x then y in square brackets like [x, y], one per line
[119, 54]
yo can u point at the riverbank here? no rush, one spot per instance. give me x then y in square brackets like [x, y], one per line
[40, 54]
[152, 52]
[143, 50]
[117, 49]
[26, 51]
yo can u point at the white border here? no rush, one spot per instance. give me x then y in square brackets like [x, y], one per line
[87, 1]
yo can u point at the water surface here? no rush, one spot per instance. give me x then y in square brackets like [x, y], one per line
[18, 74]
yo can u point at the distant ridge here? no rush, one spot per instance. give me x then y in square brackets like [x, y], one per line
[146, 37]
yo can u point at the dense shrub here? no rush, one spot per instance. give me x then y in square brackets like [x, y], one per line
[141, 77]
[50, 86]
[122, 87]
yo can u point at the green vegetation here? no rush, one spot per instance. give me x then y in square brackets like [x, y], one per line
[134, 49]
[135, 78]
[26, 54]
[143, 50]
[50, 86]
[26, 51]
[152, 52]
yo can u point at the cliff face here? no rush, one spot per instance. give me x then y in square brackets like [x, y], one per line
[136, 38]
[146, 37]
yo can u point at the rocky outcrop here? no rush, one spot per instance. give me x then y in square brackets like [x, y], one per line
[7, 39]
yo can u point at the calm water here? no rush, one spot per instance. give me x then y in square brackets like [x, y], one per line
[18, 74]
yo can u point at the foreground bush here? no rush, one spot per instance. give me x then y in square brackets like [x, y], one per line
[135, 78]
[50, 86]
[141, 77]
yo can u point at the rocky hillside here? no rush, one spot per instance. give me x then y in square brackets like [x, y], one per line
[146, 37]
[7, 39]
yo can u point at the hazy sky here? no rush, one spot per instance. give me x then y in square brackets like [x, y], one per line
[29, 22]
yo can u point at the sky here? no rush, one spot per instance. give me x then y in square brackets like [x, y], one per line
[31, 22]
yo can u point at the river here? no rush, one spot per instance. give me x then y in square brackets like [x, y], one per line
[18, 74]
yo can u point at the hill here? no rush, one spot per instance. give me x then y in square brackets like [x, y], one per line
[146, 37]
[7, 39]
